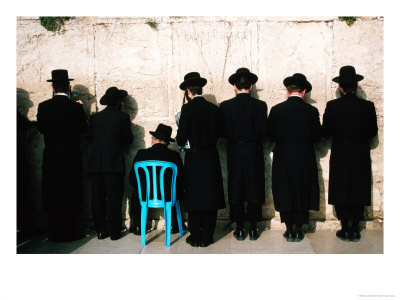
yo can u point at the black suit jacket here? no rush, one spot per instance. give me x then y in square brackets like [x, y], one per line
[110, 132]
[244, 124]
[351, 122]
[294, 125]
[158, 152]
[198, 124]
[61, 121]
[203, 179]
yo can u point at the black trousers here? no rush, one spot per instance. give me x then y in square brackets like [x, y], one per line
[136, 209]
[107, 194]
[294, 217]
[346, 212]
[202, 225]
[254, 213]
[62, 191]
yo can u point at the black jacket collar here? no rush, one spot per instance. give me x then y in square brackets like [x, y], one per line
[200, 97]
[243, 96]
[159, 146]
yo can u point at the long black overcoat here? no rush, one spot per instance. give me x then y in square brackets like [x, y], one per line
[244, 124]
[61, 121]
[294, 125]
[351, 122]
[203, 178]
[110, 132]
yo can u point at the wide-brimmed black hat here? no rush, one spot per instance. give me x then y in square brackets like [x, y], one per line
[163, 132]
[298, 80]
[113, 96]
[243, 73]
[347, 74]
[59, 75]
[192, 79]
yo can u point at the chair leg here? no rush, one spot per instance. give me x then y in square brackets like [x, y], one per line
[167, 217]
[179, 216]
[143, 224]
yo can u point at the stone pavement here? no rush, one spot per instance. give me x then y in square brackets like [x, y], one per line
[269, 242]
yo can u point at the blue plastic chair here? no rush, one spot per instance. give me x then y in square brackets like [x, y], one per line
[153, 201]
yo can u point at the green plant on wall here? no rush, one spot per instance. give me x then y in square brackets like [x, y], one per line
[349, 20]
[53, 23]
[153, 24]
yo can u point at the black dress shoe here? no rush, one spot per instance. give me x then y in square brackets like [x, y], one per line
[298, 236]
[102, 235]
[289, 236]
[135, 229]
[115, 237]
[355, 236]
[343, 235]
[253, 234]
[192, 242]
[239, 234]
[206, 243]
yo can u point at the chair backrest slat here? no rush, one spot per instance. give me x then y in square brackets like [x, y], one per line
[154, 201]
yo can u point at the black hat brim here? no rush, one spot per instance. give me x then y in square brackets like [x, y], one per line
[198, 81]
[107, 99]
[356, 78]
[161, 137]
[253, 78]
[292, 80]
[59, 80]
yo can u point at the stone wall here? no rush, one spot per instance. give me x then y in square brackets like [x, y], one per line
[149, 63]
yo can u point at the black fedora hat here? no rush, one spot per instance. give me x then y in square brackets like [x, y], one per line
[59, 75]
[192, 79]
[113, 96]
[240, 73]
[163, 132]
[299, 80]
[347, 74]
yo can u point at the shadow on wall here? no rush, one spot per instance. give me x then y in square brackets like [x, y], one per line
[223, 214]
[81, 92]
[308, 99]
[254, 92]
[268, 210]
[130, 106]
[30, 216]
[211, 98]
[321, 150]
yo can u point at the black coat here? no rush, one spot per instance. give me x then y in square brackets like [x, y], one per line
[110, 132]
[294, 125]
[203, 178]
[61, 121]
[351, 122]
[244, 124]
[158, 152]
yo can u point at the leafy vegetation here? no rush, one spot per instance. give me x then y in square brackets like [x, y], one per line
[349, 20]
[153, 24]
[53, 23]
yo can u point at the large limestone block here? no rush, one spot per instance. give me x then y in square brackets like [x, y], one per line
[361, 45]
[290, 47]
[134, 57]
[39, 51]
